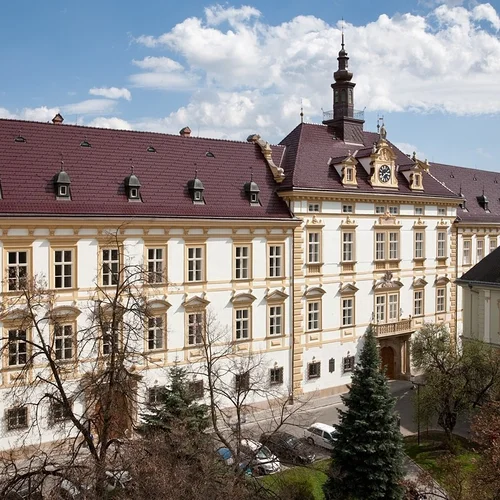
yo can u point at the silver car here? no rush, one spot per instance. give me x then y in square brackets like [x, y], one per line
[262, 460]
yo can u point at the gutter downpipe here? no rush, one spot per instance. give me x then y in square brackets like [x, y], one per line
[456, 286]
[292, 322]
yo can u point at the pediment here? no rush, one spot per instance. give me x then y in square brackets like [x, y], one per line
[419, 283]
[155, 307]
[441, 281]
[17, 315]
[387, 283]
[315, 292]
[348, 289]
[276, 296]
[65, 312]
[196, 303]
[243, 298]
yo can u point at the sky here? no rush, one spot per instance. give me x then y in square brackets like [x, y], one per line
[430, 68]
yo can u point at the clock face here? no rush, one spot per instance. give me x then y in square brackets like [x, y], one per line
[384, 173]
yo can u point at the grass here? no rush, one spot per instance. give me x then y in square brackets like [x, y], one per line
[314, 474]
[433, 448]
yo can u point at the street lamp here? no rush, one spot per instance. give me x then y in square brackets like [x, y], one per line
[417, 385]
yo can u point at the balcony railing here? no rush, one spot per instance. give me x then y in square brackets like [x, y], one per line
[356, 113]
[396, 328]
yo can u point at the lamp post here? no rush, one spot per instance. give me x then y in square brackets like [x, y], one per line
[417, 385]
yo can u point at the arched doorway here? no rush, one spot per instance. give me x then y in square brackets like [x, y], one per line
[387, 355]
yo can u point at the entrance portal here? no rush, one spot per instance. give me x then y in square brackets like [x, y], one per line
[387, 355]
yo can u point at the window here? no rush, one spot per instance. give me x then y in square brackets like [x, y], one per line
[331, 365]
[479, 249]
[393, 245]
[196, 388]
[440, 300]
[59, 412]
[242, 382]
[419, 210]
[419, 245]
[275, 320]
[155, 265]
[242, 262]
[63, 341]
[18, 347]
[63, 269]
[110, 266]
[466, 257]
[379, 246]
[109, 339]
[275, 261]
[348, 363]
[441, 212]
[313, 255]
[493, 243]
[313, 315]
[276, 376]
[155, 333]
[17, 269]
[393, 210]
[348, 311]
[349, 174]
[313, 207]
[441, 245]
[418, 303]
[196, 327]
[314, 370]
[17, 418]
[380, 209]
[155, 395]
[386, 307]
[195, 264]
[347, 246]
[242, 323]
[347, 209]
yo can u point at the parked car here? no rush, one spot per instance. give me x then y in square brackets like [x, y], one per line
[321, 435]
[262, 460]
[115, 480]
[227, 457]
[288, 448]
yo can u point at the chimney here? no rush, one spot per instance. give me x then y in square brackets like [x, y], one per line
[58, 119]
[185, 132]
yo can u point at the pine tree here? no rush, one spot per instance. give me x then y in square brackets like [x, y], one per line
[368, 454]
[177, 407]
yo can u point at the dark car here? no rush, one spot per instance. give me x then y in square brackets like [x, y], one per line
[288, 448]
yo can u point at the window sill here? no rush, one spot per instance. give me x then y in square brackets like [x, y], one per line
[314, 267]
[382, 265]
[195, 283]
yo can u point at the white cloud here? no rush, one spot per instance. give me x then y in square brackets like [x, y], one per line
[409, 149]
[446, 61]
[116, 123]
[111, 93]
[90, 107]
[40, 114]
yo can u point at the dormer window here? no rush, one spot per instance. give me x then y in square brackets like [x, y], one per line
[132, 187]
[61, 183]
[415, 179]
[252, 191]
[196, 188]
[483, 202]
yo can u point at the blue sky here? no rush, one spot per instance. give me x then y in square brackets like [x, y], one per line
[431, 68]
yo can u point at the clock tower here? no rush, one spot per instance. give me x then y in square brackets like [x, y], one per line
[346, 122]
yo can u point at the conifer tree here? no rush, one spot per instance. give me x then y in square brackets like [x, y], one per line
[177, 407]
[367, 455]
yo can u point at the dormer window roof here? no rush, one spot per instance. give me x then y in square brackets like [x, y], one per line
[252, 191]
[483, 202]
[196, 188]
[61, 183]
[132, 187]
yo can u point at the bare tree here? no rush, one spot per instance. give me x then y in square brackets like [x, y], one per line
[80, 384]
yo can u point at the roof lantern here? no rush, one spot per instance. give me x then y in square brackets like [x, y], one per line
[61, 183]
[58, 119]
[252, 191]
[132, 187]
[196, 188]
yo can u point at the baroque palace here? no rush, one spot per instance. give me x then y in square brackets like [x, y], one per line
[296, 248]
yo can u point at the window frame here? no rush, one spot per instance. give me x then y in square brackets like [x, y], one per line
[58, 413]
[108, 266]
[348, 363]
[275, 263]
[467, 256]
[479, 244]
[313, 247]
[310, 304]
[8, 417]
[20, 281]
[18, 353]
[348, 208]
[195, 260]
[242, 324]
[441, 298]
[63, 275]
[345, 308]
[384, 308]
[348, 247]
[444, 242]
[276, 375]
[242, 270]
[419, 244]
[155, 332]
[242, 381]
[420, 309]
[200, 324]
[314, 207]
[272, 317]
[153, 275]
[63, 339]
[196, 388]
[493, 240]
[313, 370]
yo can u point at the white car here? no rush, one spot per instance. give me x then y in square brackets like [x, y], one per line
[262, 460]
[321, 435]
[116, 479]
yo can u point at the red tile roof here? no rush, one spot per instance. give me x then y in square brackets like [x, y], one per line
[309, 148]
[471, 182]
[97, 173]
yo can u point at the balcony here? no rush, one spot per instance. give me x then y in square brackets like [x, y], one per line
[356, 113]
[400, 327]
